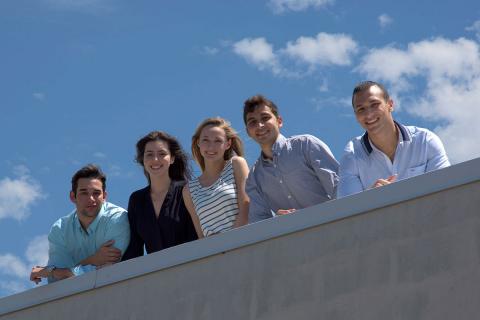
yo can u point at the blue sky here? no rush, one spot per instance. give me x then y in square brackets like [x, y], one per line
[82, 80]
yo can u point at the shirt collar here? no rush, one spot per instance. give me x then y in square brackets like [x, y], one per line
[279, 144]
[405, 136]
[94, 223]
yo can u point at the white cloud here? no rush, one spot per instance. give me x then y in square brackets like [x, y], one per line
[18, 195]
[258, 52]
[18, 268]
[39, 96]
[475, 27]
[450, 70]
[11, 287]
[37, 251]
[384, 20]
[281, 6]
[210, 51]
[324, 49]
[13, 266]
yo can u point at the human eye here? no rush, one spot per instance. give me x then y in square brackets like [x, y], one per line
[359, 110]
[251, 123]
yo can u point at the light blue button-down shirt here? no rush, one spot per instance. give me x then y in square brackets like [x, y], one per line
[69, 243]
[302, 173]
[418, 151]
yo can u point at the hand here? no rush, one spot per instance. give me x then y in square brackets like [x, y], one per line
[38, 273]
[282, 212]
[107, 254]
[384, 182]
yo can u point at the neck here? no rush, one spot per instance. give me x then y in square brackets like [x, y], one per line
[160, 184]
[267, 151]
[85, 220]
[386, 140]
[213, 168]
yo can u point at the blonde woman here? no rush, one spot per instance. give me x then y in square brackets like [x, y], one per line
[217, 200]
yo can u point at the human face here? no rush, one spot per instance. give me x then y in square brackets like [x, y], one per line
[89, 197]
[263, 126]
[373, 113]
[213, 143]
[157, 158]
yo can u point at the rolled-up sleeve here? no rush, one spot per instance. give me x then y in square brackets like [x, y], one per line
[119, 230]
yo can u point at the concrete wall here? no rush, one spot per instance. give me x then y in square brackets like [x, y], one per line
[407, 251]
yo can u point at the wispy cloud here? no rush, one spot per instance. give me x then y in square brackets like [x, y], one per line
[18, 269]
[450, 71]
[475, 27]
[17, 195]
[37, 251]
[13, 266]
[384, 20]
[210, 51]
[322, 50]
[281, 6]
[99, 155]
[39, 96]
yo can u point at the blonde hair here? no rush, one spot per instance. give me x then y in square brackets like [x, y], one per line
[236, 147]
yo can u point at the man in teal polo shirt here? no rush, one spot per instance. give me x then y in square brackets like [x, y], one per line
[94, 235]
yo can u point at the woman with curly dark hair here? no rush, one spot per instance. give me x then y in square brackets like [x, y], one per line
[157, 213]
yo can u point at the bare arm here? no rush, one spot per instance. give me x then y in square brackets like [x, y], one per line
[105, 255]
[41, 272]
[187, 198]
[240, 172]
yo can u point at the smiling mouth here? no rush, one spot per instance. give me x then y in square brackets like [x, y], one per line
[368, 123]
[262, 134]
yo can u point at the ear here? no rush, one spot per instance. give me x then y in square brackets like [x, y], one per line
[280, 121]
[105, 194]
[390, 105]
[72, 197]
[229, 143]
[172, 159]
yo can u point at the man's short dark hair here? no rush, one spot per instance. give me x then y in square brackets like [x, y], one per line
[89, 171]
[257, 101]
[365, 85]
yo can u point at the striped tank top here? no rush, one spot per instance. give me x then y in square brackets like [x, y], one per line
[216, 205]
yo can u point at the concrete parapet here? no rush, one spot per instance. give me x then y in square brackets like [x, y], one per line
[410, 250]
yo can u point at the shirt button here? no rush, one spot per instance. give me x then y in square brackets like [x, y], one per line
[289, 197]
[281, 181]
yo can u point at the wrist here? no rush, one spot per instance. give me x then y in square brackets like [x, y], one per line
[50, 270]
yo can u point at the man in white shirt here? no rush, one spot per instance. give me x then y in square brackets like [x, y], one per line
[388, 151]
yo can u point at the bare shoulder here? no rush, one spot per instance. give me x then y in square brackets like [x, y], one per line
[239, 162]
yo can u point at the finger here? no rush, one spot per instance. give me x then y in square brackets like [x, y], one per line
[392, 178]
[108, 243]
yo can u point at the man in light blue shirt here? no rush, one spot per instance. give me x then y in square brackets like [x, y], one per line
[291, 173]
[94, 235]
[388, 151]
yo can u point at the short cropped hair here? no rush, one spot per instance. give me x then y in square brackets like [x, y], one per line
[236, 147]
[89, 171]
[365, 85]
[179, 170]
[257, 101]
